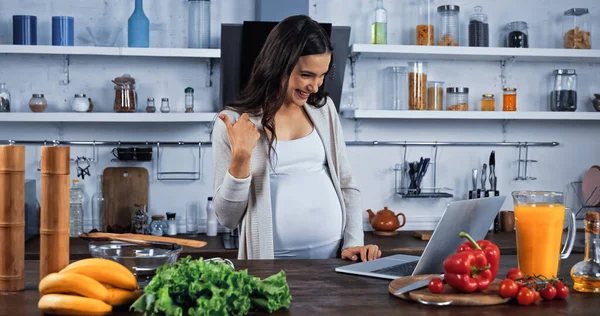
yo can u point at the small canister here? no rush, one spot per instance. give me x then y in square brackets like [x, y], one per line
[457, 99]
[488, 103]
[150, 107]
[38, 103]
[80, 103]
[577, 29]
[171, 224]
[158, 226]
[164, 106]
[509, 101]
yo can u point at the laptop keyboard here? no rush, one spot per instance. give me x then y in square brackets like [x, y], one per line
[402, 269]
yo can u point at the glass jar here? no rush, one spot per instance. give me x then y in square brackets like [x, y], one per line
[577, 29]
[394, 87]
[4, 98]
[488, 103]
[379, 24]
[424, 30]
[509, 100]
[139, 220]
[158, 226]
[198, 23]
[563, 96]
[189, 100]
[479, 29]
[150, 108]
[125, 95]
[435, 95]
[80, 103]
[448, 25]
[457, 99]
[38, 103]
[417, 85]
[517, 34]
[164, 106]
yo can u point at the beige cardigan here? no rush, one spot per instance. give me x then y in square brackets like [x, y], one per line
[249, 200]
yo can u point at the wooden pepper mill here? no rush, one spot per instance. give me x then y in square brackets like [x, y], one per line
[12, 218]
[54, 212]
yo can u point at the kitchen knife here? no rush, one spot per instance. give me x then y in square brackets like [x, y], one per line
[417, 285]
[493, 184]
[483, 178]
[422, 173]
[473, 193]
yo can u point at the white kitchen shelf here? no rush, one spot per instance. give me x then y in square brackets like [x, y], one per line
[475, 53]
[109, 117]
[111, 51]
[471, 115]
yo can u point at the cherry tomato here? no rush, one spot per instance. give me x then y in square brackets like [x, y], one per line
[525, 296]
[561, 292]
[559, 284]
[514, 274]
[549, 292]
[536, 296]
[436, 285]
[508, 288]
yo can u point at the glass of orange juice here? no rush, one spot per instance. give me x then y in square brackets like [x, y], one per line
[539, 219]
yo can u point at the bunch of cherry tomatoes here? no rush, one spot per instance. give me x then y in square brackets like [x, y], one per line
[526, 290]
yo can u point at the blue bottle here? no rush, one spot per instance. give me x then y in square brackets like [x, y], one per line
[138, 34]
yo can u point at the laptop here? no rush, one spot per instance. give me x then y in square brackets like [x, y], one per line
[471, 216]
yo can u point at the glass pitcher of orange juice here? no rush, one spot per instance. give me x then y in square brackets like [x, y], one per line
[539, 219]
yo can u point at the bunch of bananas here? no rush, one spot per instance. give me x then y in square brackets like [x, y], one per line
[87, 287]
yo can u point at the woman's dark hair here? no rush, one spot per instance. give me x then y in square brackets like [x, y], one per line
[265, 92]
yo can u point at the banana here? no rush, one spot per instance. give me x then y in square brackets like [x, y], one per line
[108, 286]
[73, 283]
[61, 304]
[118, 297]
[104, 271]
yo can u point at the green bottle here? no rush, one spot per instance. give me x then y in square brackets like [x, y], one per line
[379, 26]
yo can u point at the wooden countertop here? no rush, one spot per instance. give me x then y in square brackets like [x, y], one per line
[403, 242]
[316, 289]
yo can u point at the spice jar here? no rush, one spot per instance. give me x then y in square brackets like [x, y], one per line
[164, 106]
[80, 103]
[577, 29]
[38, 103]
[424, 29]
[417, 85]
[488, 103]
[517, 34]
[158, 226]
[125, 96]
[509, 100]
[435, 95]
[457, 99]
[150, 108]
[448, 25]
[479, 29]
[189, 100]
[139, 220]
[171, 224]
[563, 96]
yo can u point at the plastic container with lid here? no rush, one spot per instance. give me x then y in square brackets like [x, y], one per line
[479, 29]
[577, 29]
[457, 99]
[488, 103]
[80, 103]
[517, 34]
[448, 25]
[425, 30]
[509, 99]
[395, 88]
[125, 95]
[417, 85]
[435, 95]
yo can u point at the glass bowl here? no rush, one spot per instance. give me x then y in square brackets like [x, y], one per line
[104, 35]
[142, 261]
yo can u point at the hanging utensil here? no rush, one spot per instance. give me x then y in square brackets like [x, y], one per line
[483, 178]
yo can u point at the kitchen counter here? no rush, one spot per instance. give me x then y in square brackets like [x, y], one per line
[403, 242]
[318, 290]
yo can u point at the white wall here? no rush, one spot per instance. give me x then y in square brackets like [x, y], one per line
[168, 77]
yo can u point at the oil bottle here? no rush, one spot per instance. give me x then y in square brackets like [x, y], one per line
[586, 274]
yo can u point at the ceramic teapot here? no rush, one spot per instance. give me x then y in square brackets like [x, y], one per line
[385, 220]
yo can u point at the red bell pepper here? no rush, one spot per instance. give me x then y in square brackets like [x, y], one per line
[492, 252]
[467, 271]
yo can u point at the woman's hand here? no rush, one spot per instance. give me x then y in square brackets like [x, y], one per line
[243, 137]
[367, 253]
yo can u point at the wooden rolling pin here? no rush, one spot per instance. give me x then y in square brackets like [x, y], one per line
[149, 238]
[12, 218]
[54, 212]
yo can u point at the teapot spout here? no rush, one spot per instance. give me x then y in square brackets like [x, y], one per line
[371, 215]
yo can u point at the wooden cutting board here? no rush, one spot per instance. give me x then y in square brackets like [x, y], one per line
[490, 296]
[122, 188]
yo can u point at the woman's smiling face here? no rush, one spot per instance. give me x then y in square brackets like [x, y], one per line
[306, 78]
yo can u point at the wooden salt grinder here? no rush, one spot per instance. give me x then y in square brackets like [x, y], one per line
[54, 212]
[12, 218]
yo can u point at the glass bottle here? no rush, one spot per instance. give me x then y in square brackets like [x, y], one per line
[577, 29]
[198, 23]
[479, 29]
[4, 98]
[98, 207]
[138, 27]
[76, 210]
[189, 100]
[150, 108]
[158, 226]
[448, 25]
[488, 103]
[164, 106]
[509, 99]
[586, 274]
[379, 26]
[425, 29]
